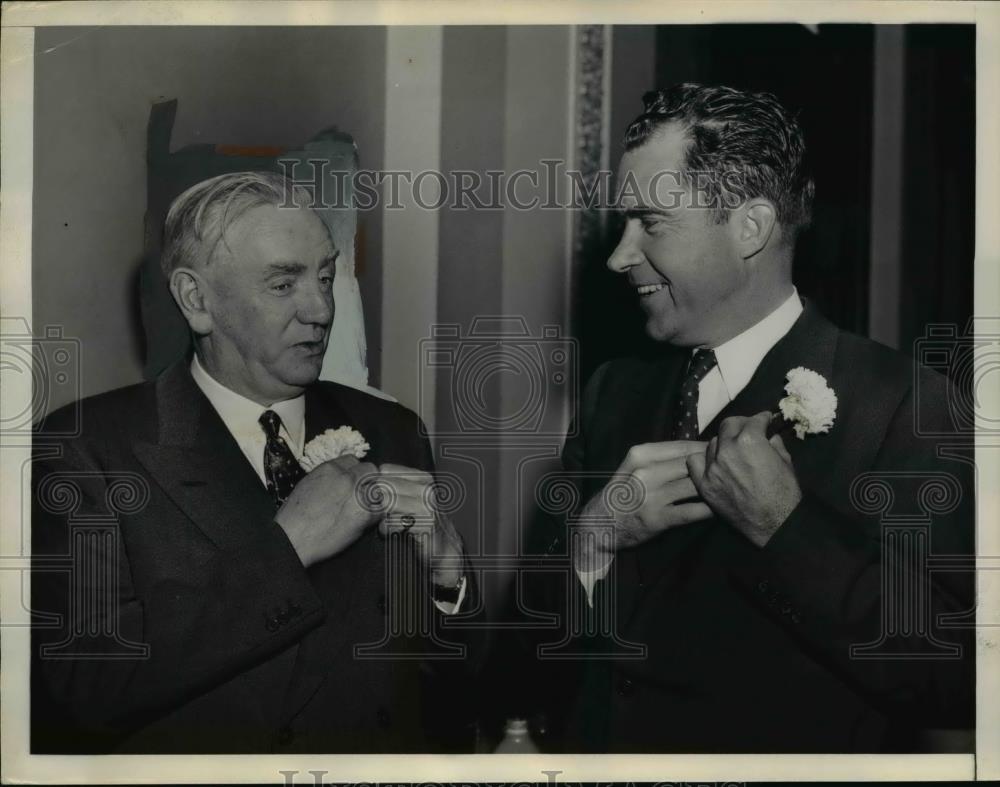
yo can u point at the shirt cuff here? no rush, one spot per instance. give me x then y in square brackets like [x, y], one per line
[589, 579]
[451, 609]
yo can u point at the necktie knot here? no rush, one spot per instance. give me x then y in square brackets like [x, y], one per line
[702, 362]
[271, 422]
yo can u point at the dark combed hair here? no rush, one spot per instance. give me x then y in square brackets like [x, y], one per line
[747, 144]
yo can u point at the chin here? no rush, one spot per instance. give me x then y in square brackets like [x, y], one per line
[303, 374]
[660, 332]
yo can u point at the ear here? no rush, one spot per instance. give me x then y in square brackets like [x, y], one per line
[754, 224]
[190, 291]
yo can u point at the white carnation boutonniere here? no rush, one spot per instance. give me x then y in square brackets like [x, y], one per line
[333, 443]
[811, 404]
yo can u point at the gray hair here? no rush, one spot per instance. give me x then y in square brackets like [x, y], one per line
[198, 218]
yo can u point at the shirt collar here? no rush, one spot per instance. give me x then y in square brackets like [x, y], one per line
[739, 357]
[241, 415]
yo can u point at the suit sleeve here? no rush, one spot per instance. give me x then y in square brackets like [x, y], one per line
[857, 592]
[117, 652]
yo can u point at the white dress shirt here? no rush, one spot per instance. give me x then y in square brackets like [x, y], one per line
[736, 362]
[242, 418]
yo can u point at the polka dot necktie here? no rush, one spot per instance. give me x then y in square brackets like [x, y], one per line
[686, 404]
[281, 469]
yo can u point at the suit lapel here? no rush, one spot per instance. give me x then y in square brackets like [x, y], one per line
[811, 342]
[200, 466]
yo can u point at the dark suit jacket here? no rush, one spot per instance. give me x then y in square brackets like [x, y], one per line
[188, 623]
[749, 649]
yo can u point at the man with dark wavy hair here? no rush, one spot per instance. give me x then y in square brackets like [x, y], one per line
[746, 587]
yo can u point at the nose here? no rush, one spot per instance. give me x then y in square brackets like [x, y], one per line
[316, 305]
[627, 253]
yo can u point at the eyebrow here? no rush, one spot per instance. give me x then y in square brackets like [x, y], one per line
[639, 212]
[291, 267]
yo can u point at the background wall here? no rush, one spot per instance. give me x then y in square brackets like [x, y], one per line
[241, 86]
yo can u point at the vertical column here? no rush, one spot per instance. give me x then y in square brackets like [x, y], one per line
[887, 185]
[410, 233]
[535, 244]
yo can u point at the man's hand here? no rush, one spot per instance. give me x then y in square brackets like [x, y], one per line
[411, 508]
[659, 473]
[323, 516]
[747, 479]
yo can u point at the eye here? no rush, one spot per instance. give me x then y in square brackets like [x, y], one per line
[326, 279]
[282, 286]
[649, 223]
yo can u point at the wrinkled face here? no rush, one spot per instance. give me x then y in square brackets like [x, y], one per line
[683, 267]
[271, 302]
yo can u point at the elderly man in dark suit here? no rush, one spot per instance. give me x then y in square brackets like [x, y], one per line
[239, 604]
[748, 595]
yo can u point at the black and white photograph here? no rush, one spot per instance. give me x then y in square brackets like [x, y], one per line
[439, 392]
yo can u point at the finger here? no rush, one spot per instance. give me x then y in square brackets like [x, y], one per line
[779, 445]
[409, 524]
[757, 425]
[403, 471]
[344, 462]
[730, 428]
[648, 453]
[685, 513]
[358, 469]
[711, 451]
[404, 487]
[409, 504]
[656, 475]
[680, 490]
[696, 469]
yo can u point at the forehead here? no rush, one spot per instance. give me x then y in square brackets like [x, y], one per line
[267, 233]
[655, 165]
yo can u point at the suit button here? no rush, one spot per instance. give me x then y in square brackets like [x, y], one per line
[763, 586]
[272, 624]
[786, 608]
[382, 606]
[625, 687]
[383, 718]
[796, 617]
[285, 736]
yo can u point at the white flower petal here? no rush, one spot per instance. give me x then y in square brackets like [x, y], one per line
[332, 444]
[811, 404]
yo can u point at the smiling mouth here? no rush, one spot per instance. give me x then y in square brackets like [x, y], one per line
[644, 290]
